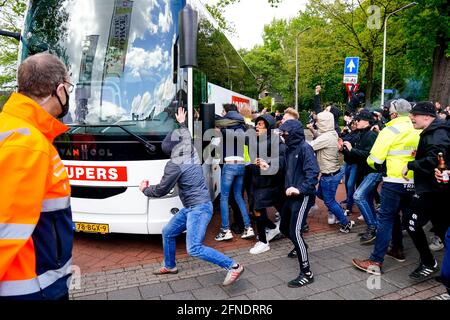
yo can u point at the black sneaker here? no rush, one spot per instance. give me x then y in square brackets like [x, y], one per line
[302, 280]
[348, 227]
[369, 236]
[423, 272]
[292, 253]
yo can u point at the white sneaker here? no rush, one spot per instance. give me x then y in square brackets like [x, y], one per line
[248, 233]
[361, 218]
[331, 218]
[260, 247]
[272, 233]
[224, 235]
[436, 243]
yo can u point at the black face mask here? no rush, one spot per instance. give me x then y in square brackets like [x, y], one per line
[64, 107]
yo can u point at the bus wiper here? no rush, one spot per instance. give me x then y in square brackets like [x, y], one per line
[150, 148]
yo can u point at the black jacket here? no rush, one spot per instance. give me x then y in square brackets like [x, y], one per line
[232, 127]
[267, 187]
[360, 151]
[434, 139]
[301, 167]
[184, 170]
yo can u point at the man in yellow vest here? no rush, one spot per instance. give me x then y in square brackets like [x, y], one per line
[395, 146]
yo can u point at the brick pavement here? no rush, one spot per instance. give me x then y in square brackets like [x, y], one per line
[266, 276]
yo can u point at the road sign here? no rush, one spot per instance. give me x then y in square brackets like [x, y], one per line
[351, 69]
[350, 79]
[351, 66]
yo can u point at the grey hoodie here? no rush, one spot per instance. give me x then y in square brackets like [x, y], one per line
[184, 169]
[326, 144]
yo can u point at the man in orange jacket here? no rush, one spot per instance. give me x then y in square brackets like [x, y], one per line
[36, 234]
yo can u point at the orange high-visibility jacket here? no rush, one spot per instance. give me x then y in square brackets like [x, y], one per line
[36, 228]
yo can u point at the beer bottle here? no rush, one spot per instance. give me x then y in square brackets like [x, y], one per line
[442, 168]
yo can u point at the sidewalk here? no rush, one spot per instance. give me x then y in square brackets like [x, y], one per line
[266, 276]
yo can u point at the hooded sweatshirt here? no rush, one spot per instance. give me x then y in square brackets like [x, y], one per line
[301, 166]
[183, 169]
[326, 144]
[267, 187]
[434, 139]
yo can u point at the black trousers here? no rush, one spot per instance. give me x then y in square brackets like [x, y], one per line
[428, 207]
[293, 216]
[263, 222]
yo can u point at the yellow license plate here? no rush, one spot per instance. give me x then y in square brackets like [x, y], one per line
[91, 227]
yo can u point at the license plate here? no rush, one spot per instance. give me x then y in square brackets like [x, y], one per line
[91, 227]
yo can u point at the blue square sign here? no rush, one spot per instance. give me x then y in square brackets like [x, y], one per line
[351, 66]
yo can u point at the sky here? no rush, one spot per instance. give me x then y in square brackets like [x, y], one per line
[250, 16]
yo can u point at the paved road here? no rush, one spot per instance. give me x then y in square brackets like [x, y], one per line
[266, 276]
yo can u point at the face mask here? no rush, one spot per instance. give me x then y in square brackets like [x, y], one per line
[64, 107]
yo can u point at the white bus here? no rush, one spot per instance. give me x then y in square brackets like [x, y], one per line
[132, 63]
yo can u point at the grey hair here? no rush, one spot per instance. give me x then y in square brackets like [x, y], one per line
[400, 106]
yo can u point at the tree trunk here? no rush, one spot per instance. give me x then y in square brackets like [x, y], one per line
[369, 77]
[440, 83]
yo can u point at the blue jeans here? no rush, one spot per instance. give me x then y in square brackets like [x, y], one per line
[327, 192]
[445, 273]
[232, 178]
[194, 221]
[350, 182]
[364, 198]
[395, 197]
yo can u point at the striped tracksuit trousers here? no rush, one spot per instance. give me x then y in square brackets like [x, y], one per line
[293, 216]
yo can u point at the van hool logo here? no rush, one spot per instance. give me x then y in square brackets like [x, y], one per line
[85, 153]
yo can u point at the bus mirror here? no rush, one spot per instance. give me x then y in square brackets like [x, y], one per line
[188, 31]
[14, 35]
[175, 63]
[207, 116]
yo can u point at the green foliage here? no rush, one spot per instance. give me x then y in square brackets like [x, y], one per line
[339, 29]
[304, 117]
[11, 13]
[279, 107]
[265, 103]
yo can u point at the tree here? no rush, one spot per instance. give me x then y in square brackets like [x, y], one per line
[11, 14]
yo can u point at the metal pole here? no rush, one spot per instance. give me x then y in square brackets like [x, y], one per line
[409, 5]
[384, 62]
[296, 72]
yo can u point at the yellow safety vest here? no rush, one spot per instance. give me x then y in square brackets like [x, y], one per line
[396, 144]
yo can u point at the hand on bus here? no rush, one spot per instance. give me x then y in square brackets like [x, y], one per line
[181, 115]
[143, 185]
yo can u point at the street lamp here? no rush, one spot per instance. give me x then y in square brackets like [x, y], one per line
[409, 5]
[296, 66]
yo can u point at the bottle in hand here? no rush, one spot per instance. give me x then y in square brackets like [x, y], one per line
[442, 168]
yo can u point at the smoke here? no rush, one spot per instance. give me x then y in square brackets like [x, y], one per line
[414, 90]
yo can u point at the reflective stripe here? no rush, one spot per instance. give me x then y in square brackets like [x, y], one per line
[398, 180]
[393, 129]
[375, 159]
[51, 276]
[16, 231]
[24, 287]
[19, 287]
[400, 153]
[50, 205]
[24, 131]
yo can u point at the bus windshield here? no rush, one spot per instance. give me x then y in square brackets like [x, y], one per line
[119, 55]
